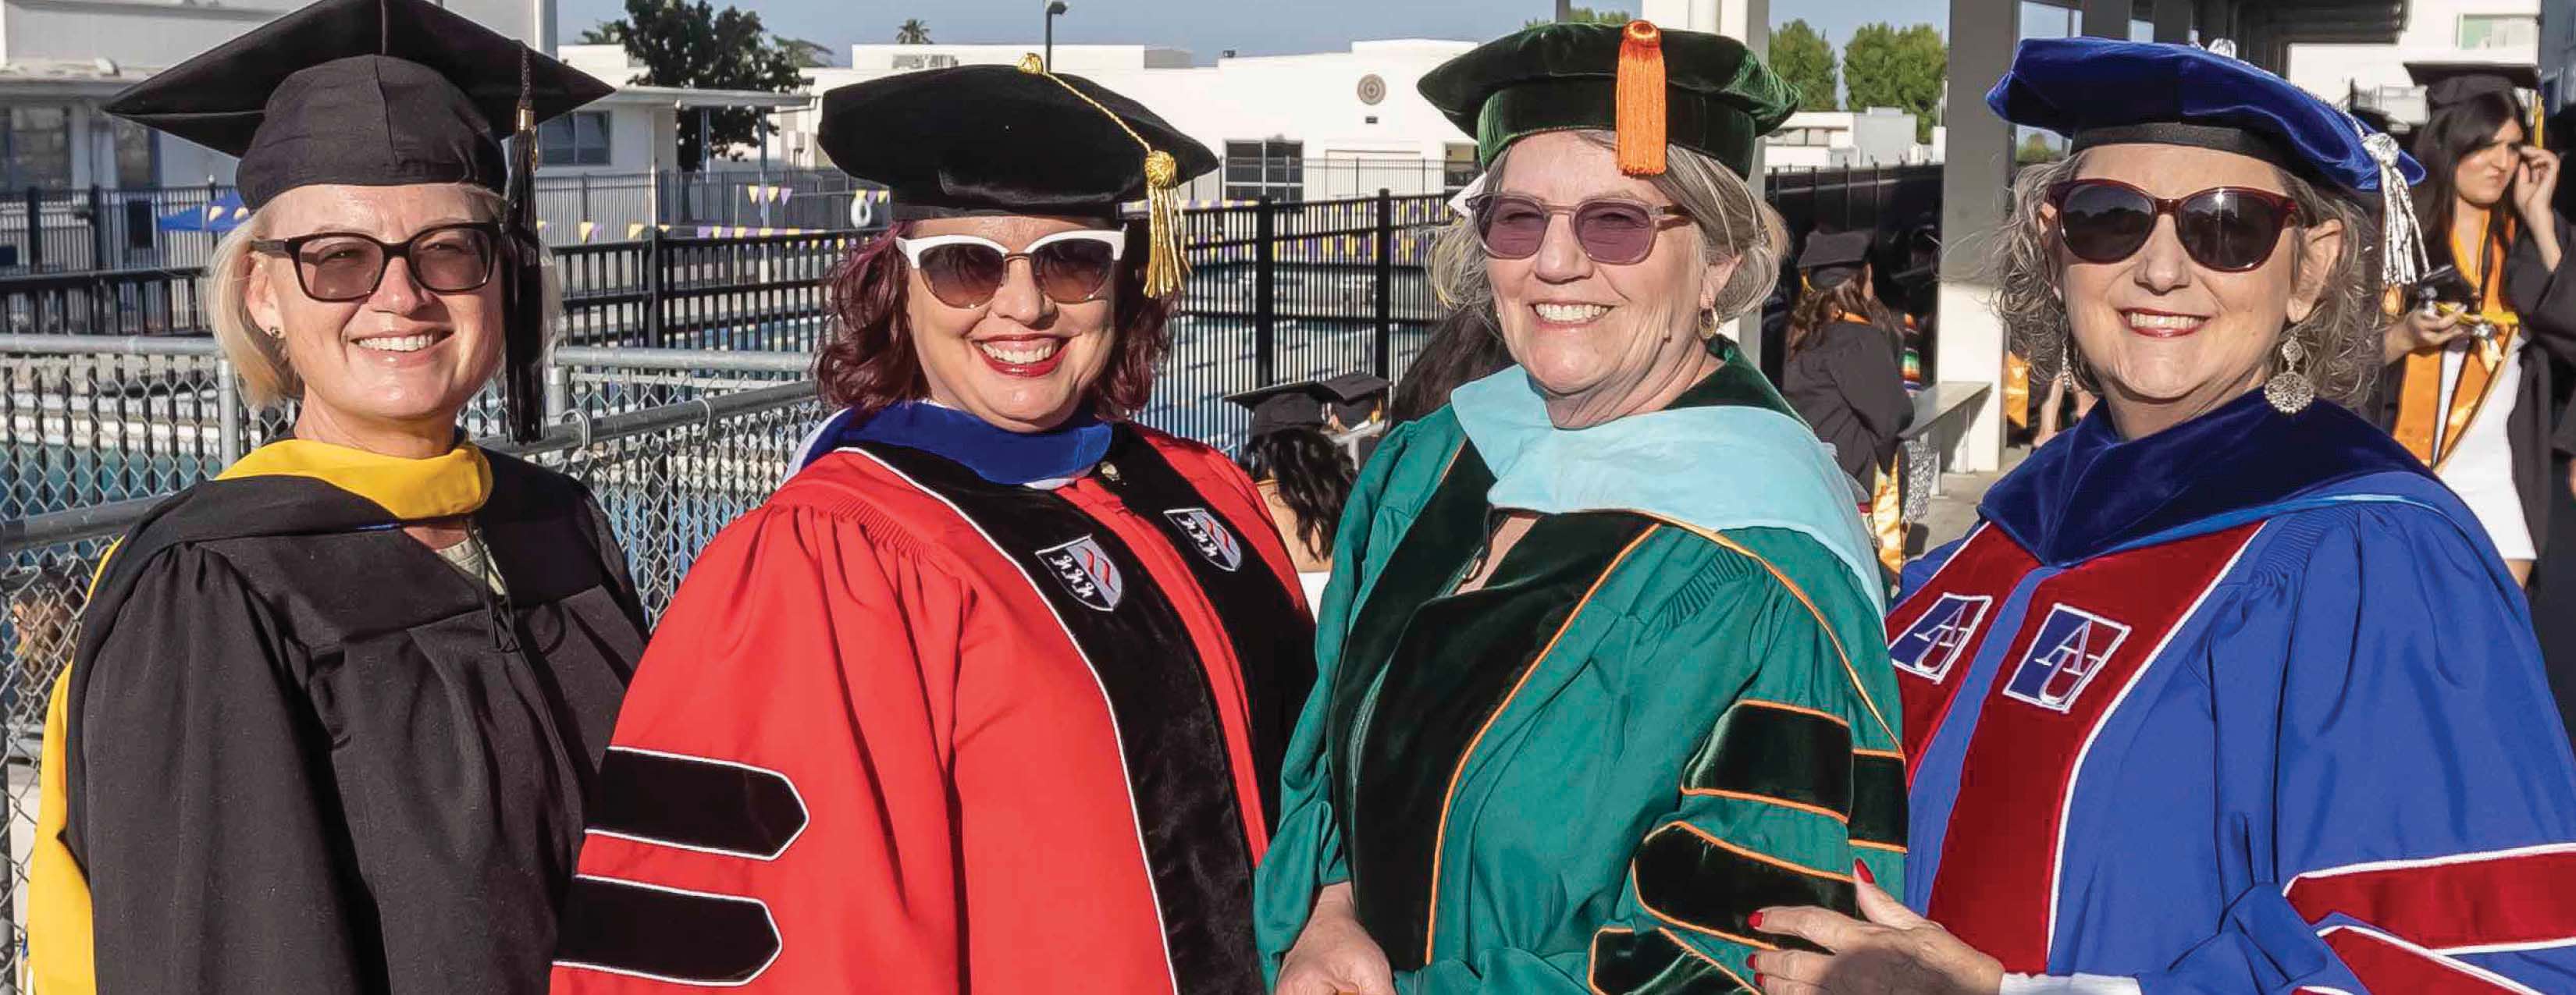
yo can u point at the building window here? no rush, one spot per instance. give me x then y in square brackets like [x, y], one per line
[1458, 166]
[36, 148]
[576, 139]
[136, 164]
[1275, 169]
[909, 62]
[2498, 30]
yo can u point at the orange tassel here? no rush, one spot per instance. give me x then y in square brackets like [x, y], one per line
[1640, 118]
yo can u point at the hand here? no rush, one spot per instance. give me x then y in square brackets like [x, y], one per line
[2535, 183]
[2418, 330]
[1334, 954]
[1894, 951]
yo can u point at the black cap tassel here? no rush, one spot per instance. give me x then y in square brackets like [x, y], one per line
[523, 406]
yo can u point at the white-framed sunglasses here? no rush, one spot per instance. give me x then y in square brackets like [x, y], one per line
[965, 271]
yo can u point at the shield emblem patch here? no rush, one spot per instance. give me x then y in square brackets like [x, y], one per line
[1086, 572]
[1210, 536]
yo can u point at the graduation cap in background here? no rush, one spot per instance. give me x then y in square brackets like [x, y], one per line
[984, 140]
[1335, 404]
[382, 93]
[2447, 83]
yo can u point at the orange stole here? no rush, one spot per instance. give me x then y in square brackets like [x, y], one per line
[2420, 411]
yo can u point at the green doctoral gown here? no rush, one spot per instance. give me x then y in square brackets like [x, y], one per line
[1669, 707]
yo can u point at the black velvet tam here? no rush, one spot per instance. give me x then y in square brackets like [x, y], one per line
[999, 140]
[364, 92]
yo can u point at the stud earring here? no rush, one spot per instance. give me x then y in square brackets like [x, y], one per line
[2290, 391]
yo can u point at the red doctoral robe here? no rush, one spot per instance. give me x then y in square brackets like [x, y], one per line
[906, 729]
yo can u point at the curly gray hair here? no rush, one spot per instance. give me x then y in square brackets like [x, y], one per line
[1732, 223]
[2341, 337]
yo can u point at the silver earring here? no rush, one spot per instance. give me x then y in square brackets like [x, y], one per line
[2289, 390]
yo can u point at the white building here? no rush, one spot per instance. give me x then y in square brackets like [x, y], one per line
[2503, 31]
[1880, 136]
[1325, 125]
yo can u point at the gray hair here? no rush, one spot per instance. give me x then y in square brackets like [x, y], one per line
[1733, 224]
[2341, 337]
[257, 357]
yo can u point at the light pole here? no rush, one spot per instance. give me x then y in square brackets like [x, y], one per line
[1053, 8]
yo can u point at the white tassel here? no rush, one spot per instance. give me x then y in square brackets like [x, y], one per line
[2401, 246]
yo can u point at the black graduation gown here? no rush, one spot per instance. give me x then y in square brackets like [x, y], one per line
[2548, 310]
[306, 754]
[1847, 385]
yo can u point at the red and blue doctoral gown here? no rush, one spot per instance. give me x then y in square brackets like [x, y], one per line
[2247, 705]
[956, 710]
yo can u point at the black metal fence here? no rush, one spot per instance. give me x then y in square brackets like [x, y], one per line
[177, 227]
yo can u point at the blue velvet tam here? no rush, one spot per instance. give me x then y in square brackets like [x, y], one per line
[2097, 91]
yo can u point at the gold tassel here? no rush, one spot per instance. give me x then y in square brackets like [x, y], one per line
[1166, 265]
[1640, 107]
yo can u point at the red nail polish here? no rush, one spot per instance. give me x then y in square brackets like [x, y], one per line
[1862, 870]
[1757, 981]
[1754, 920]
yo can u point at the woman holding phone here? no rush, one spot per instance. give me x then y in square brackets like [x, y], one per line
[2464, 390]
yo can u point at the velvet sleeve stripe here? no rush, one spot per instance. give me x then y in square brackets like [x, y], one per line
[1878, 812]
[1627, 962]
[1766, 751]
[1700, 882]
[665, 934]
[696, 803]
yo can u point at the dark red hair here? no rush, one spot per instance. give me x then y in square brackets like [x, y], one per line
[869, 363]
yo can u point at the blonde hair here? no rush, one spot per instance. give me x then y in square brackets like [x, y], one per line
[1733, 225]
[258, 357]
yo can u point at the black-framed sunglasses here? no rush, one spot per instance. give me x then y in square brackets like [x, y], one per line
[2229, 229]
[340, 267]
[1613, 231]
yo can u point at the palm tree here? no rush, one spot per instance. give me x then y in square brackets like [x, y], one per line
[912, 32]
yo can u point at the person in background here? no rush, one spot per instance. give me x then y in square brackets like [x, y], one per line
[1304, 477]
[990, 695]
[2224, 692]
[1842, 374]
[2468, 385]
[334, 714]
[2054, 404]
[1464, 347]
[1600, 662]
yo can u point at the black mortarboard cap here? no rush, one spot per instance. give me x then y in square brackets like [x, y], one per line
[2448, 83]
[999, 140]
[1350, 397]
[1842, 248]
[364, 92]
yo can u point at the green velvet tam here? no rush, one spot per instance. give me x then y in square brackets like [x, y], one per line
[1719, 99]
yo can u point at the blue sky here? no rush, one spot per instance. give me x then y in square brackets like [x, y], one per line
[1208, 27]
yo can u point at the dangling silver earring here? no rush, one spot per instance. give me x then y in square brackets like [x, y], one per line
[2289, 390]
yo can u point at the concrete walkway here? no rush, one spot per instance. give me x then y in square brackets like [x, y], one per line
[1954, 511]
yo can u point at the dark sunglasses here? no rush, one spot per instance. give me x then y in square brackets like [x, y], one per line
[1613, 231]
[2229, 229]
[965, 271]
[345, 266]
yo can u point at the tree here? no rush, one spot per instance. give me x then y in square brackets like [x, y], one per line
[912, 32]
[691, 44]
[1585, 15]
[2037, 147]
[1806, 60]
[1884, 67]
[808, 54]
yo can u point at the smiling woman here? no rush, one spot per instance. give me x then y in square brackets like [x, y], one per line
[2225, 692]
[292, 680]
[1023, 668]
